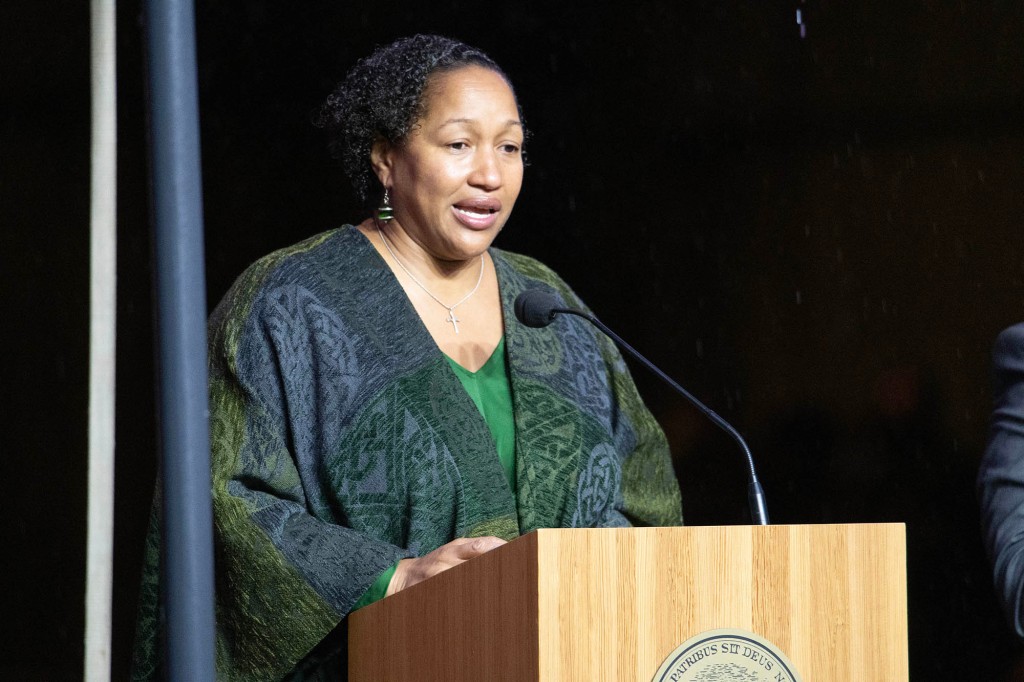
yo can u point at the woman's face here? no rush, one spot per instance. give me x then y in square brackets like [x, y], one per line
[455, 179]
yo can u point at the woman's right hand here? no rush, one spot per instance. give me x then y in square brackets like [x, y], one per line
[411, 571]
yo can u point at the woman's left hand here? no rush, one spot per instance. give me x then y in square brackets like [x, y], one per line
[411, 571]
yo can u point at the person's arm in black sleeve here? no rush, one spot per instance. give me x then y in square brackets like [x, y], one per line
[1001, 476]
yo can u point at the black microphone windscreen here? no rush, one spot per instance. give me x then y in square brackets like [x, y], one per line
[535, 308]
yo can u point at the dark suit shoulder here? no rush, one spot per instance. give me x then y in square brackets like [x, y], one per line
[1008, 349]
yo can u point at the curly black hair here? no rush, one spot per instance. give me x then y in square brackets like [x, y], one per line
[382, 97]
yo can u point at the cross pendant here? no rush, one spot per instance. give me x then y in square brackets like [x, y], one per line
[454, 320]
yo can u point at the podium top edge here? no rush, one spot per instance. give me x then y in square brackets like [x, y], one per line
[888, 524]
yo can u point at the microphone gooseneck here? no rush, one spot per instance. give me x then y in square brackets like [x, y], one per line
[537, 308]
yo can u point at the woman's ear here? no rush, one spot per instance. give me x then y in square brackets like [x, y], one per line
[380, 159]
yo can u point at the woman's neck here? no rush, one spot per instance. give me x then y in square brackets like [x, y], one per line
[442, 277]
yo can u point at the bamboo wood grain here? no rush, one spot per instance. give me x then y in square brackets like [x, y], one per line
[611, 604]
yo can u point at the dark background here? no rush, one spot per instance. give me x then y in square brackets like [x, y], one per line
[819, 236]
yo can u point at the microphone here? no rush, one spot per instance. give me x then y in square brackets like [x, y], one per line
[537, 308]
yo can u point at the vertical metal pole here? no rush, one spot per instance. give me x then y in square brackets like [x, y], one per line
[102, 332]
[181, 302]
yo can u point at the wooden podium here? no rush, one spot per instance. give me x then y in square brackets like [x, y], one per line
[612, 604]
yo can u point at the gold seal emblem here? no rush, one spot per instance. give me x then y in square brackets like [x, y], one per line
[726, 655]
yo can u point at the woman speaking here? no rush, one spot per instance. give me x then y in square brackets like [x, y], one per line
[377, 413]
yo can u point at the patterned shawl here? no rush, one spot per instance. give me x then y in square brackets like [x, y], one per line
[342, 442]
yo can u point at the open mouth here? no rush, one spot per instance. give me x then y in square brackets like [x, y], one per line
[479, 213]
[476, 212]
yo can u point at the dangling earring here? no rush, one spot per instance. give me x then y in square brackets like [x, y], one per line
[385, 212]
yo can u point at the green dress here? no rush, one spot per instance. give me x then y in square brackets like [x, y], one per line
[491, 392]
[342, 441]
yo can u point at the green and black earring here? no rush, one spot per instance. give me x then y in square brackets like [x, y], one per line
[385, 212]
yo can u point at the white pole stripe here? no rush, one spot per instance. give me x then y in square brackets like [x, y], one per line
[102, 333]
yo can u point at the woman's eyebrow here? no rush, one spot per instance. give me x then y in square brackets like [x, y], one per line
[511, 123]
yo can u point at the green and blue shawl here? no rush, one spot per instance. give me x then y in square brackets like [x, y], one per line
[342, 442]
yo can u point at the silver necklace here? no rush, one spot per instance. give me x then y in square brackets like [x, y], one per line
[450, 308]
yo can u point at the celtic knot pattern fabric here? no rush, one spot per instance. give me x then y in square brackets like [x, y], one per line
[342, 442]
[599, 491]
